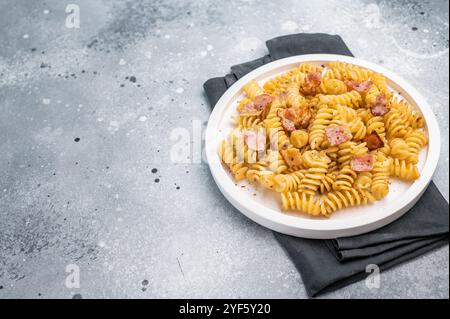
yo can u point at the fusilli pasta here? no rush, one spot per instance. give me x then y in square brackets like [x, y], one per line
[325, 138]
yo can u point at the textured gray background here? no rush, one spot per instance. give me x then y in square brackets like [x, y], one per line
[95, 203]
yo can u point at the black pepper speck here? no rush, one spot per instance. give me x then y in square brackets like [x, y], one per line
[156, 180]
[76, 139]
[154, 170]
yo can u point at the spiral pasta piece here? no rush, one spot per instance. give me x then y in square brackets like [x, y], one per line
[345, 178]
[376, 124]
[347, 198]
[242, 103]
[358, 129]
[317, 163]
[241, 150]
[379, 80]
[278, 103]
[317, 128]
[293, 96]
[326, 184]
[352, 99]
[276, 162]
[364, 114]
[346, 71]
[309, 68]
[255, 171]
[237, 168]
[349, 149]
[245, 122]
[371, 95]
[299, 138]
[267, 180]
[307, 204]
[395, 125]
[403, 169]
[399, 149]
[345, 114]
[333, 167]
[380, 177]
[363, 180]
[288, 182]
[277, 85]
[252, 89]
[332, 86]
[410, 116]
[416, 140]
[277, 136]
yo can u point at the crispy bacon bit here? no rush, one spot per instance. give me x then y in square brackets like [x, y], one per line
[379, 108]
[381, 99]
[305, 116]
[255, 141]
[373, 141]
[287, 124]
[290, 114]
[262, 101]
[363, 163]
[250, 109]
[299, 117]
[313, 80]
[337, 135]
[361, 87]
[292, 156]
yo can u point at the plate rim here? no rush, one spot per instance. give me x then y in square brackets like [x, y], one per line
[321, 228]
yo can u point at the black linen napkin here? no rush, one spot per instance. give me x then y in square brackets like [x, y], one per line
[326, 265]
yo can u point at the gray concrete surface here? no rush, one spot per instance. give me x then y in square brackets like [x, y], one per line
[95, 203]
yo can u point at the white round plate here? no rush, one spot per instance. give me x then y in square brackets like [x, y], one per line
[263, 206]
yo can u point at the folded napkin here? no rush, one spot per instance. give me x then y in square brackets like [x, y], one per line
[327, 265]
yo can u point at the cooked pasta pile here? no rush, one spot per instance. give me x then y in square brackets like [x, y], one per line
[325, 138]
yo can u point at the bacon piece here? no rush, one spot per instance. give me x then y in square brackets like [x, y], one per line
[381, 99]
[379, 107]
[300, 117]
[292, 157]
[311, 83]
[290, 114]
[361, 87]
[262, 101]
[288, 125]
[315, 78]
[304, 117]
[362, 163]
[250, 109]
[373, 141]
[255, 141]
[337, 135]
